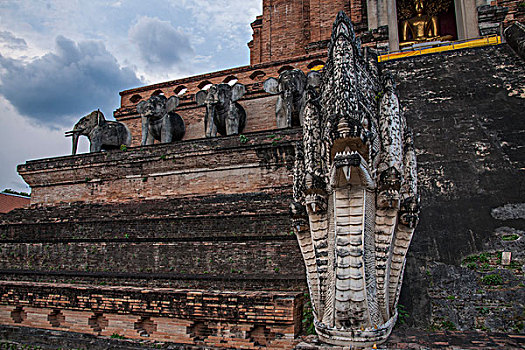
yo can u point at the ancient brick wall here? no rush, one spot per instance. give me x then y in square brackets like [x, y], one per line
[248, 320]
[500, 14]
[289, 28]
[466, 109]
[240, 242]
[282, 30]
[130, 221]
[516, 12]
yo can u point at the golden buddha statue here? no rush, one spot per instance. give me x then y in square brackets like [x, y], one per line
[421, 28]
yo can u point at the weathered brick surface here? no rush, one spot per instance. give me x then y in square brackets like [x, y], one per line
[466, 109]
[272, 307]
[286, 28]
[239, 241]
[229, 281]
[247, 214]
[224, 240]
[516, 11]
[215, 319]
[207, 257]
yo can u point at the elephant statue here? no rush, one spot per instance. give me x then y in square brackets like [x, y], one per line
[290, 87]
[223, 114]
[159, 121]
[102, 134]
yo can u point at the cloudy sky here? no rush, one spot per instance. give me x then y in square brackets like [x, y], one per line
[61, 59]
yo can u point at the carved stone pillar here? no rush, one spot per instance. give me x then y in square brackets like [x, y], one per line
[466, 19]
[377, 13]
[372, 14]
[393, 32]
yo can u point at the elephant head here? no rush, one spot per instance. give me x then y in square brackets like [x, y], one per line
[159, 121]
[223, 114]
[157, 106]
[85, 126]
[290, 87]
[102, 134]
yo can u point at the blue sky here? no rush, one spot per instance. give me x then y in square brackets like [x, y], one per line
[61, 59]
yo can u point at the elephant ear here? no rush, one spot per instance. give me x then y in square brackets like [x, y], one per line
[200, 97]
[238, 91]
[172, 103]
[313, 79]
[141, 106]
[302, 78]
[100, 117]
[271, 86]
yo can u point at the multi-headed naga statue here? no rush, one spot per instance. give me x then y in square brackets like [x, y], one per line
[355, 195]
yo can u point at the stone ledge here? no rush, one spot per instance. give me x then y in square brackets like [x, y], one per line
[413, 338]
[271, 202]
[154, 152]
[222, 165]
[163, 281]
[263, 214]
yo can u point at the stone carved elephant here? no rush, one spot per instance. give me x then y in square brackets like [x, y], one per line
[290, 87]
[102, 134]
[223, 114]
[159, 121]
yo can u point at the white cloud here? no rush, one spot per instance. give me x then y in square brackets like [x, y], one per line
[58, 86]
[160, 45]
[9, 41]
[225, 26]
[21, 140]
[226, 18]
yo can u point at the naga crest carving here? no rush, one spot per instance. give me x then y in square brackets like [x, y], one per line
[355, 195]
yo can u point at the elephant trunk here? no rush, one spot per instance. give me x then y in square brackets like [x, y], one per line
[145, 130]
[75, 142]
[211, 111]
[288, 104]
